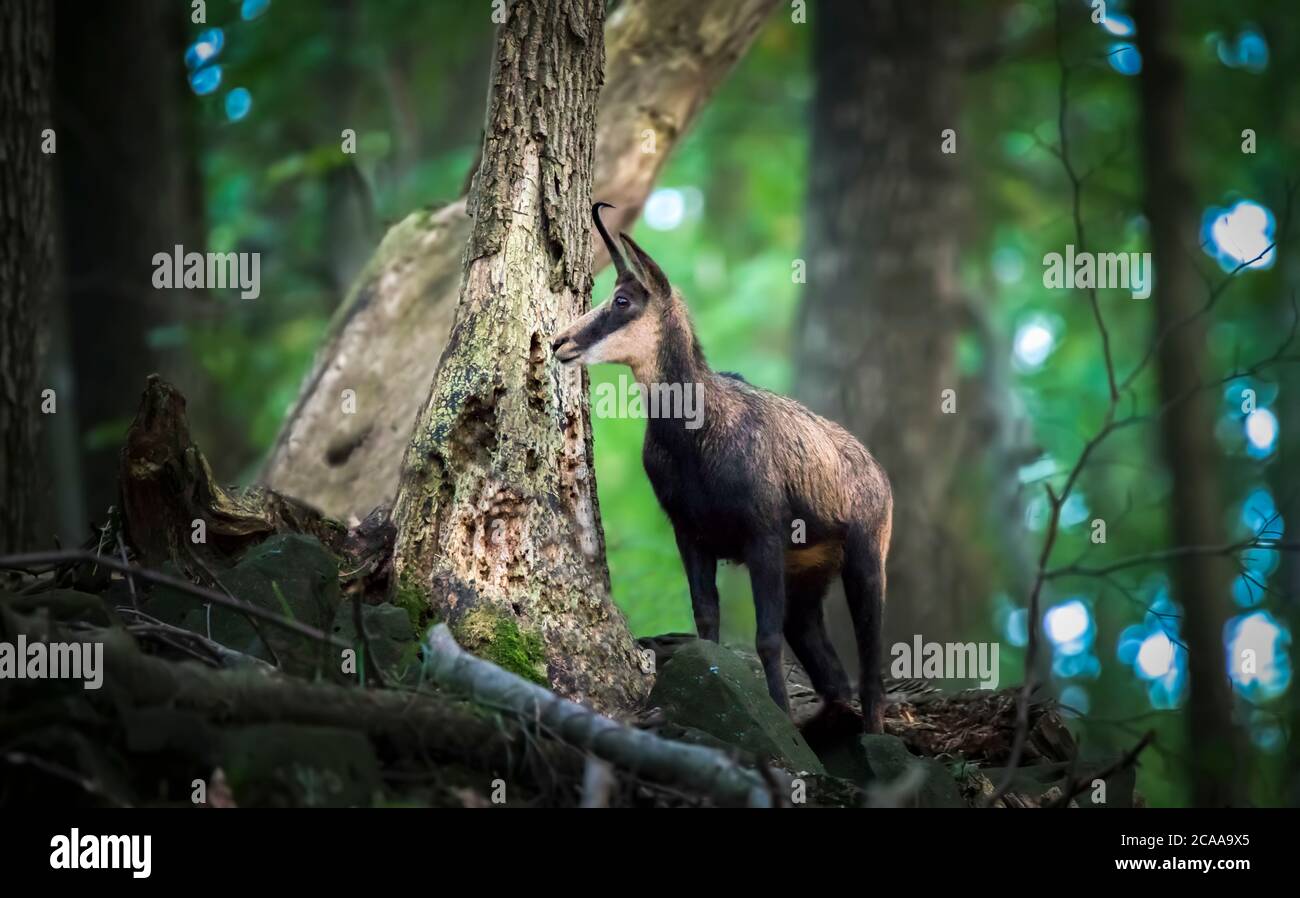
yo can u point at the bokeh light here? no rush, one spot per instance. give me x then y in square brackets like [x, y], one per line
[1258, 658]
[238, 104]
[665, 209]
[1124, 58]
[206, 80]
[1261, 432]
[1034, 341]
[1241, 235]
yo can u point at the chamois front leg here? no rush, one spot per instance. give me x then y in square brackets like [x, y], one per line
[701, 576]
[765, 559]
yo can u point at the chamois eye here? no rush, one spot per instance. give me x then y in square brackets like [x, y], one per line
[621, 301]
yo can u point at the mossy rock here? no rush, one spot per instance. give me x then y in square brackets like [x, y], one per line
[391, 637]
[278, 765]
[289, 574]
[709, 688]
[890, 762]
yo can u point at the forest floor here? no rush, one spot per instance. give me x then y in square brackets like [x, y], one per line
[261, 665]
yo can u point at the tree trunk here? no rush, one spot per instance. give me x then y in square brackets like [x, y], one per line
[1201, 583]
[666, 57]
[879, 318]
[496, 512]
[26, 246]
[128, 185]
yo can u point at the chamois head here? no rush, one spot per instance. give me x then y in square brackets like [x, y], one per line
[626, 328]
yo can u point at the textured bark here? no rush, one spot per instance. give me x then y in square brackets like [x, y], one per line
[496, 511]
[666, 57]
[879, 318]
[25, 252]
[1201, 582]
[128, 189]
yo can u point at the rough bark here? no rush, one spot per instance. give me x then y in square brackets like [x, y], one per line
[25, 253]
[128, 190]
[666, 57]
[496, 511]
[880, 313]
[1200, 581]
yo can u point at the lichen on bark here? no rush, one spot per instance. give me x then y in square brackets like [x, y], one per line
[496, 510]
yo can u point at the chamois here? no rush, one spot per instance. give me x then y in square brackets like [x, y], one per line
[757, 472]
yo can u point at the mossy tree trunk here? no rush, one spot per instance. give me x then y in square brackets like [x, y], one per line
[25, 253]
[496, 511]
[666, 57]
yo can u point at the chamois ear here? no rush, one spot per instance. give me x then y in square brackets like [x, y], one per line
[650, 274]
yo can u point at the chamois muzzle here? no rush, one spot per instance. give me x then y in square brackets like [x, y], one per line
[565, 349]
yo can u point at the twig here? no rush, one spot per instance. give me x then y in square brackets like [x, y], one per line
[1079, 784]
[130, 580]
[1162, 555]
[216, 598]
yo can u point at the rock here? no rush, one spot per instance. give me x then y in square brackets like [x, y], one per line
[900, 779]
[392, 638]
[706, 687]
[290, 574]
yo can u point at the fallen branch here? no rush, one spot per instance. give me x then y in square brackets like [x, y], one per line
[695, 768]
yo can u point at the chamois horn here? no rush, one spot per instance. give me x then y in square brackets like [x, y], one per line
[614, 255]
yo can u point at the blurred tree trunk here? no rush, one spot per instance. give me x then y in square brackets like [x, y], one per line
[128, 189]
[349, 219]
[666, 57]
[877, 327]
[1201, 583]
[26, 247]
[496, 513]
[1280, 92]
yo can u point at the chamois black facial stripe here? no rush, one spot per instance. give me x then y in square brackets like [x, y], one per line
[600, 327]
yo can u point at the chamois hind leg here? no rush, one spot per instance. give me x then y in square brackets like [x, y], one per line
[765, 559]
[864, 588]
[805, 630]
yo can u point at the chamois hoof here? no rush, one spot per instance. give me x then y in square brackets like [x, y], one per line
[837, 722]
